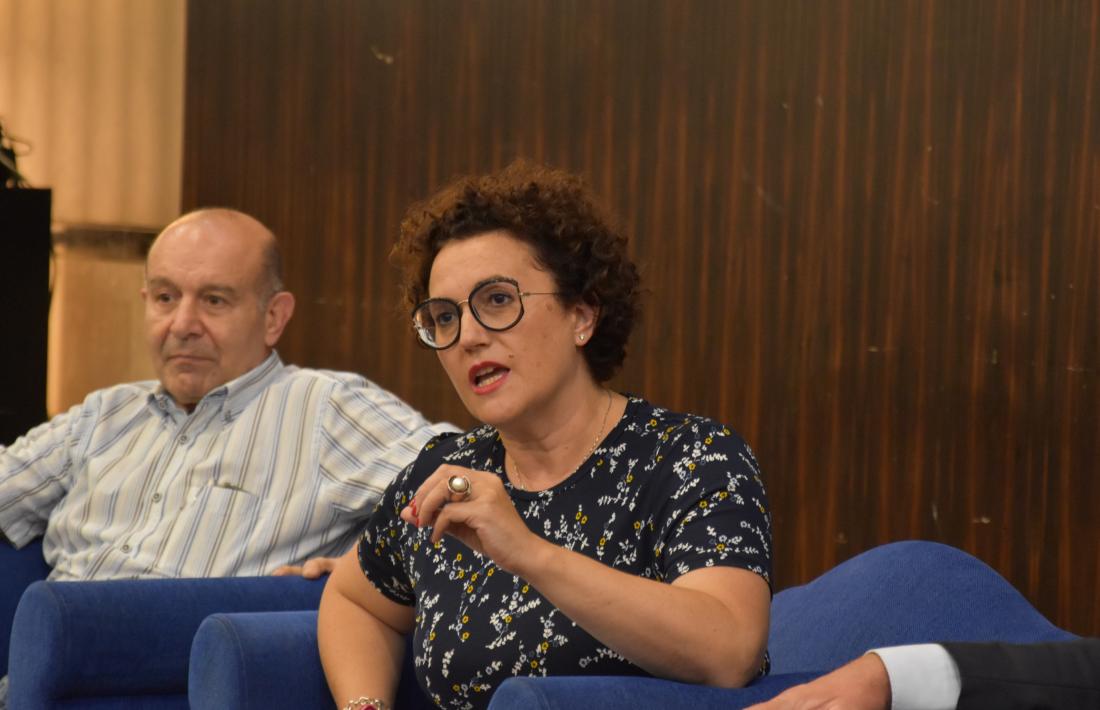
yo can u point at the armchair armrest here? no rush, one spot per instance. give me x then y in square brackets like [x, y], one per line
[627, 693]
[21, 567]
[270, 660]
[127, 638]
[264, 660]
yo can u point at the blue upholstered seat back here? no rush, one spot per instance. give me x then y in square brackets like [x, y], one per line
[903, 592]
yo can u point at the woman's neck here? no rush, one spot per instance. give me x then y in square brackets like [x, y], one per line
[542, 458]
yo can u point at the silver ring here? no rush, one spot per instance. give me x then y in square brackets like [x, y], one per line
[459, 486]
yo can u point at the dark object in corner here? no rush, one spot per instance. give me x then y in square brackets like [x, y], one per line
[25, 297]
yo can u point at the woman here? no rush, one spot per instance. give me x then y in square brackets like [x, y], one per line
[578, 531]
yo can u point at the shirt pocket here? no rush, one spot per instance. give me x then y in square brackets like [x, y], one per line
[212, 533]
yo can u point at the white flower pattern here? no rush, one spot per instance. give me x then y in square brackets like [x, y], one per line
[662, 495]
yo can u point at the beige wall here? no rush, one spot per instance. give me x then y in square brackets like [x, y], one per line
[96, 88]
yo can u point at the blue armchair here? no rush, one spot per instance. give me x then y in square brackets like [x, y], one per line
[140, 644]
[231, 655]
[906, 592]
[21, 567]
[126, 643]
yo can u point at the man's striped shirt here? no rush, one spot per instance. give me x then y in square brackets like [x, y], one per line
[277, 466]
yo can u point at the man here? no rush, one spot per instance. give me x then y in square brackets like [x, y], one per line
[233, 463]
[964, 675]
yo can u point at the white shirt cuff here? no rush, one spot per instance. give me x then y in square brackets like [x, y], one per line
[922, 677]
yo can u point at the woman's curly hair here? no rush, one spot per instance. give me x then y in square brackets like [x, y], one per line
[554, 212]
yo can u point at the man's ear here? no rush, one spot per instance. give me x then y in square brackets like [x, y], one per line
[279, 310]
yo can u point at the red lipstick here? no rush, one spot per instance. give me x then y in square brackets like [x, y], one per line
[486, 377]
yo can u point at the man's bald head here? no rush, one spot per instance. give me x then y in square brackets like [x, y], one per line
[237, 225]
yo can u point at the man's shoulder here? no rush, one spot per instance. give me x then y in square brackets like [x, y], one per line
[355, 396]
[294, 374]
[332, 383]
[115, 404]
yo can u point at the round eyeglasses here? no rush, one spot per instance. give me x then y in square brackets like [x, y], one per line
[497, 304]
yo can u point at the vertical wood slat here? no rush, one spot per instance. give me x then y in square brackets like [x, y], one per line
[869, 229]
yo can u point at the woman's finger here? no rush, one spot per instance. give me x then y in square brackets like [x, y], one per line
[453, 520]
[435, 493]
[443, 522]
[442, 473]
[428, 501]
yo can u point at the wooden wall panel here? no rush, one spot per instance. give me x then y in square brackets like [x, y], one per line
[870, 230]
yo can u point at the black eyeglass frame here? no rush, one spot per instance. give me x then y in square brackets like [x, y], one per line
[473, 311]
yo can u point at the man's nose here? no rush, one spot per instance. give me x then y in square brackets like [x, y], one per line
[186, 320]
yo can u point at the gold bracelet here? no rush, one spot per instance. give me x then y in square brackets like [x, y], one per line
[365, 703]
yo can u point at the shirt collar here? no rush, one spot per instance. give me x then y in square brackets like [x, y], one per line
[234, 395]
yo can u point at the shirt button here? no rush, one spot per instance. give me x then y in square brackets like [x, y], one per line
[126, 548]
[156, 497]
[184, 439]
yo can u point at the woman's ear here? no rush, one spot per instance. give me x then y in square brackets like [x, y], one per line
[586, 317]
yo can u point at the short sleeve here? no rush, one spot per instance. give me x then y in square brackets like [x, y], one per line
[382, 551]
[716, 512]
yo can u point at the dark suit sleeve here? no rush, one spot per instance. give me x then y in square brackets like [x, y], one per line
[1062, 674]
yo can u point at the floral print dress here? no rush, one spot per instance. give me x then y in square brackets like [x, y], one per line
[663, 494]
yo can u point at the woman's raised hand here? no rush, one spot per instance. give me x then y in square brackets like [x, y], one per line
[473, 507]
